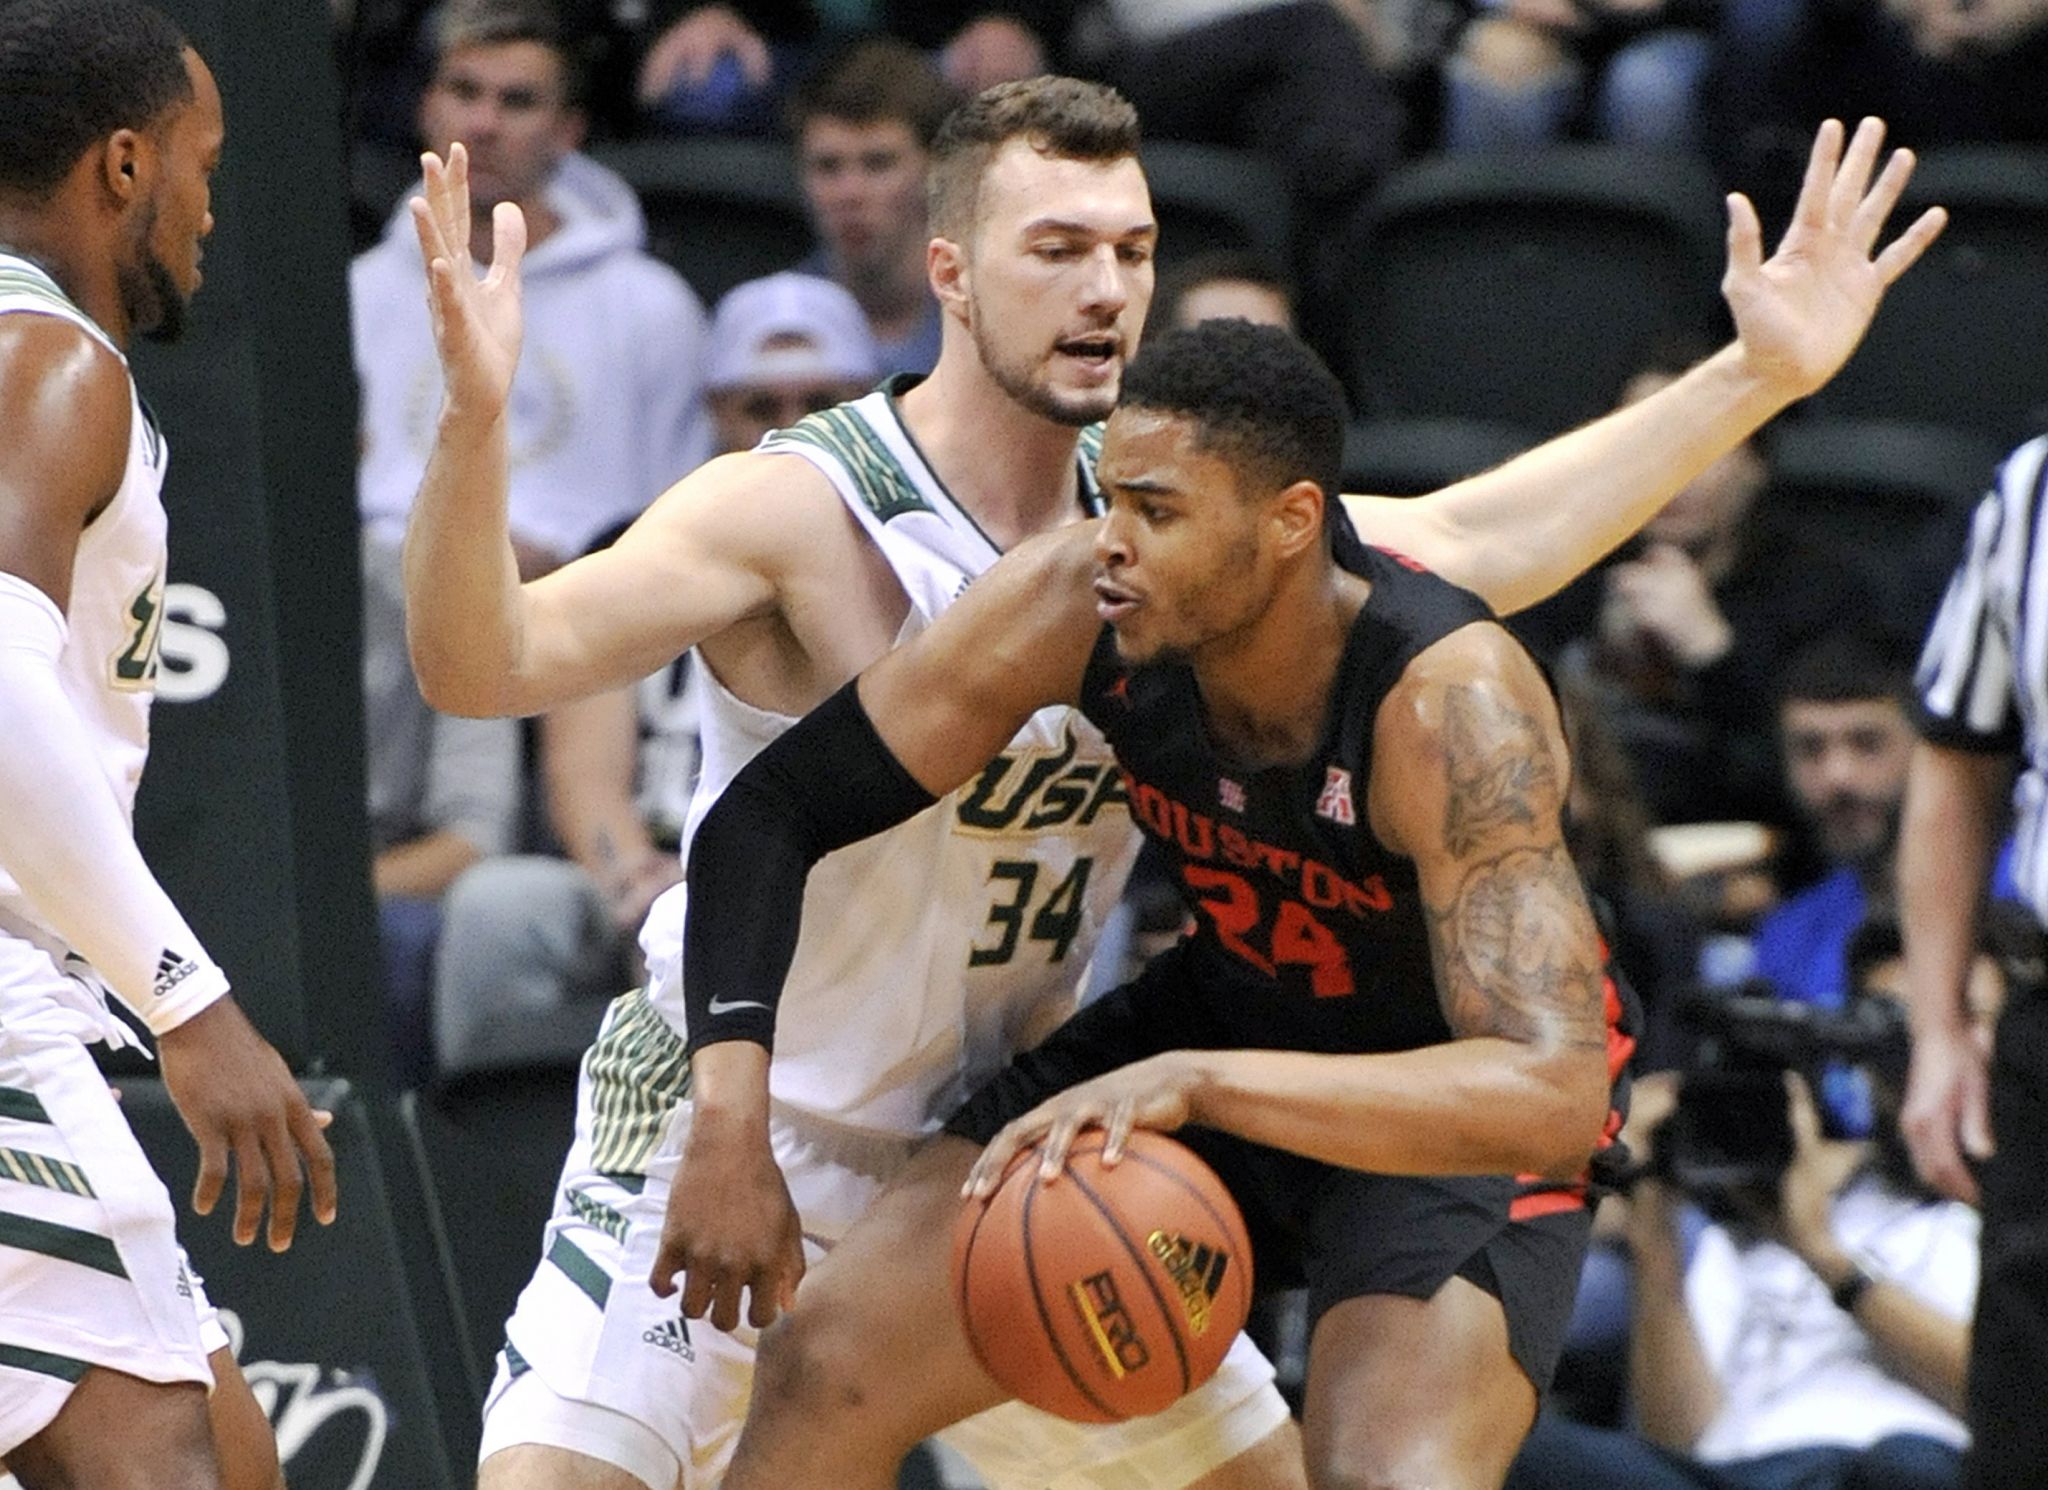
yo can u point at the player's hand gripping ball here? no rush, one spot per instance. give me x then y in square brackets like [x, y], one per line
[1110, 1292]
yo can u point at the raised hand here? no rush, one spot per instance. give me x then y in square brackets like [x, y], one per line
[1800, 313]
[477, 322]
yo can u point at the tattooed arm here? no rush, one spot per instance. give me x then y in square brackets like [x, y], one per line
[1469, 775]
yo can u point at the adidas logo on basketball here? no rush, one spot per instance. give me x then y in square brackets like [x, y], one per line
[673, 1336]
[1196, 1270]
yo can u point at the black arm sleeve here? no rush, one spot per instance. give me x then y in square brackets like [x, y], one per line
[828, 782]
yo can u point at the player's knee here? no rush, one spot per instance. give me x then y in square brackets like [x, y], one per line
[811, 1365]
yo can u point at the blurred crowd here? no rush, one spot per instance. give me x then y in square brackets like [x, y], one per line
[1737, 682]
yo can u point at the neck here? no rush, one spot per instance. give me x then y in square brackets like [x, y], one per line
[894, 298]
[1266, 689]
[1012, 470]
[46, 238]
[541, 222]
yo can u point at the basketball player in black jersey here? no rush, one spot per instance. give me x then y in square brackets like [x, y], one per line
[1391, 1029]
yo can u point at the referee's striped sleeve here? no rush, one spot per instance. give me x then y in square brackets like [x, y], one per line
[1987, 640]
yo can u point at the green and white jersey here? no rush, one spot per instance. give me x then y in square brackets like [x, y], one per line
[109, 663]
[933, 952]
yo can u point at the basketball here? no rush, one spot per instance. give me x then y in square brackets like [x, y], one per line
[1111, 1292]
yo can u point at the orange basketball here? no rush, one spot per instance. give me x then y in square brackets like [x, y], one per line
[1111, 1292]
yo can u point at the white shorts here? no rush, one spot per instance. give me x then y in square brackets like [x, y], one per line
[595, 1362]
[90, 1269]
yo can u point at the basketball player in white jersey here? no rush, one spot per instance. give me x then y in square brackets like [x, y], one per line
[108, 1349]
[932, 953]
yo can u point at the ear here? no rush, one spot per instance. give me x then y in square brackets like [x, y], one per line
[947, 267]
[1297, 514]
[126, 162]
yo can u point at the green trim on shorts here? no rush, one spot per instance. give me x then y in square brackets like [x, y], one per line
[638, 1071]
[43, 1362]
[599, 1215]
[577, 1265]
[22, 1106]
[516, 1365]
[632, 1184]
[40, 1169]
[65, 1243]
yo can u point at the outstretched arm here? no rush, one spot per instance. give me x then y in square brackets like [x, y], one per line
[1523, 531]
[1468, 781]
[709, 552]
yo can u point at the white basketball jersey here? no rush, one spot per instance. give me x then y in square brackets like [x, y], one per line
[109, 663]
[933, 952]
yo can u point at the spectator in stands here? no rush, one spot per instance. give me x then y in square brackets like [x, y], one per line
[864, 124]
[443, 796]
[1940, 72]
[1692, 628]
[532, 945]
[725, 66]
[783, 347]
[1846, 734]
[1222, 284]
[608, 403]
[1527, 72]
[1816, 1338]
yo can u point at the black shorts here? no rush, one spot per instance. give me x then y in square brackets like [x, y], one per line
[1342, 1233]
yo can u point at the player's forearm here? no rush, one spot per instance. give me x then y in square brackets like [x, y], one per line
[1945, 844]
[1524, 530]
[463, 604]
[1477, 1106]
[66, 842]
[829, 781]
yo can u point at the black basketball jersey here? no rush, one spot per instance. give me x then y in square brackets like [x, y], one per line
[1309, 934]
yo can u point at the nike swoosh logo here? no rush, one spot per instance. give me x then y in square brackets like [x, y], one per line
[733, 1006]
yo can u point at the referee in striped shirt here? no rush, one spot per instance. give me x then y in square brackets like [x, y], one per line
[1983, 688]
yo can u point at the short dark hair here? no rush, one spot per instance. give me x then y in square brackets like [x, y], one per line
[1847, 666]
[878, 80]
[72, 73]
[498, 23]
[1262, 399]
[1235, 265]
[1062, 117]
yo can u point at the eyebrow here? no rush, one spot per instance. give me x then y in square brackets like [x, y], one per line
[1150, 486]
[1086, 230]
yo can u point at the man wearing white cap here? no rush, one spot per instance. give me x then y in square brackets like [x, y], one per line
[783, 347]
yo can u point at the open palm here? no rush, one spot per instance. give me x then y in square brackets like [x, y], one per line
[477, 322]
[1800, 313]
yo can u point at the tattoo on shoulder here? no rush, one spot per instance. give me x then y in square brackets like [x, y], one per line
[1516, 952]
[1499, 764]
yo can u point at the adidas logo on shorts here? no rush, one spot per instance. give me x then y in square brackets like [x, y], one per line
[673, 1336]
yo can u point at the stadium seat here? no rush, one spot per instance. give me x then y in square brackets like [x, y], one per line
[331, 1333]
[1208, 197]
[1408, 457]
[1525, 288]
[1959, 341]
[719, 210]
[1891, 500]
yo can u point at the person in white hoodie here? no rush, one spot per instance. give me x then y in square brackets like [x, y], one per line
[608, 405]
